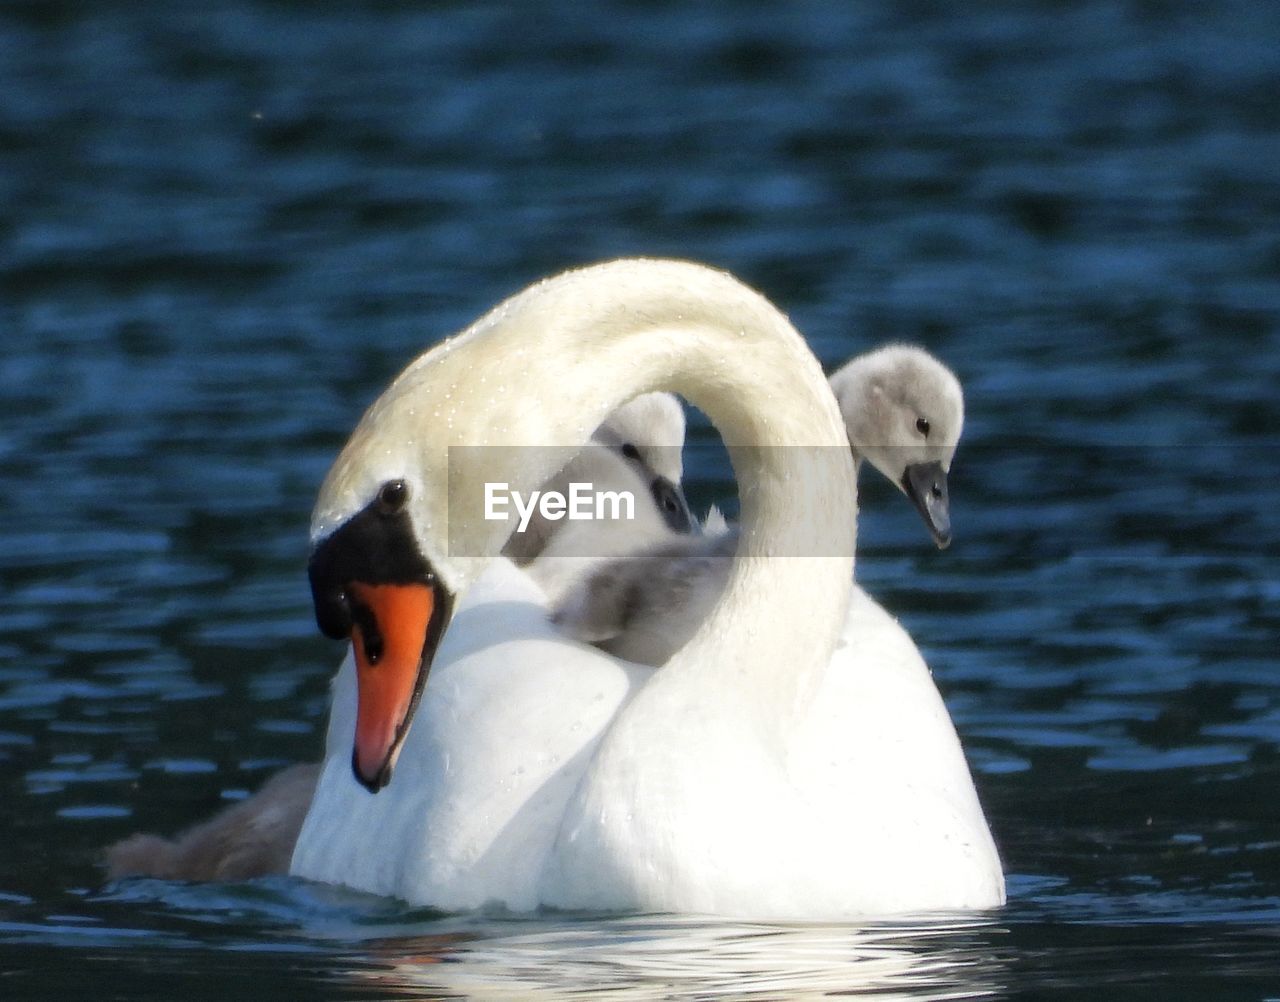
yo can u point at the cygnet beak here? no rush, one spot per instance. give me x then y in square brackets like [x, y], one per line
[926, 485]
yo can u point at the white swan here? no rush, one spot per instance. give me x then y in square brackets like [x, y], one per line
[540, 771]
[903, 411]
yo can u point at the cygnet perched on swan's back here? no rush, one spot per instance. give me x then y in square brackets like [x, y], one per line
[649, 431]
[637, 450]
[572, 550]
[903, 412]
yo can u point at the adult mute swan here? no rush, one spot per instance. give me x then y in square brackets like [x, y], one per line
[742, 778]
[903, 411]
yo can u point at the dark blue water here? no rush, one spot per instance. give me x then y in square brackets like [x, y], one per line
[223, 230]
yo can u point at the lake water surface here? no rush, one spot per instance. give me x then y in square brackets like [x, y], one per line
[225, 227]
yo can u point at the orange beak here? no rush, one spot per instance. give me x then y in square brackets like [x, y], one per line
[389, 637]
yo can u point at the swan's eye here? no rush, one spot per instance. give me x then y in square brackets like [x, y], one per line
[392, 496]
[630, 451]
[922, 426]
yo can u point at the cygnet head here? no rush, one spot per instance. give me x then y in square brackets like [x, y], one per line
[637, 450]
[648, 432]
[904, 411]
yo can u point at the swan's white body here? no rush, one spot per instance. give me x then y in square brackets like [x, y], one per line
[876, 785]
[793, 760]
[509, 727]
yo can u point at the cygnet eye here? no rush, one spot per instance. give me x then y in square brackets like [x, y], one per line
[392, 496]
[630, 451]
[922, 426]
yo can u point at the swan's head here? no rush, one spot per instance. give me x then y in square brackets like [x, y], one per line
[648, 432]
[372, 584]
[904, 411]
[396, 537]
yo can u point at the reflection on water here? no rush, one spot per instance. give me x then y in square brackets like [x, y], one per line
[359, 945]
[662, 957]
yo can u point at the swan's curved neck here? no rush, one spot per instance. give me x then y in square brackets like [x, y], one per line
[548, 365]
